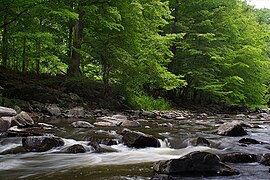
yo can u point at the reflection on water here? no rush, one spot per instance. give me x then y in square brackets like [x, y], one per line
[129, 163]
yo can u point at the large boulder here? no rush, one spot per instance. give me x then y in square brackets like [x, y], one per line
[231, 129]
[53, 110]
[82, 124]
[4, 111]
[22, 120]
[41, 143]
[5, 123]
[195, 163]
[239, 158]
[139, 140]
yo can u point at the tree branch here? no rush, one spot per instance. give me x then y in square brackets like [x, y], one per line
[19, 14]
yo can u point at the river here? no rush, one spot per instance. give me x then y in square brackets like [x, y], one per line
[130, 163]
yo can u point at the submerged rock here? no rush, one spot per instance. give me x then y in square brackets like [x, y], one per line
[249, 141]
[75, 148]
[41, 143]
[195, 163]
[22, 120]
[4, 111]
[231, 129]
[5, 123]
[104, 140]
[265, 159]
[239, 158]
[98, 149]
[200, 141]
[15, 150]
[82, 124]
[139, 140]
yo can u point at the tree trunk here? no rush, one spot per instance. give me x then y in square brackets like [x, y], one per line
[38, 50]
[24, 62]
[4, 44]
[70, 41]
[105, 74]
[74, 65]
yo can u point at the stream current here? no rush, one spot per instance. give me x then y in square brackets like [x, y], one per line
[130, 163]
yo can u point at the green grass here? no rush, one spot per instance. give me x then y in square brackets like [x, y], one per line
[148, 103]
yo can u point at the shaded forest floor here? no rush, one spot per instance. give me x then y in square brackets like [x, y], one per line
[22, 89]
[31, 91]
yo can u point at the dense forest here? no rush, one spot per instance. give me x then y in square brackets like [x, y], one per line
[157, 52]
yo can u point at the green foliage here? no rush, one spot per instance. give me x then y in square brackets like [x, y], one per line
[145, 102]
[206, 51]
[223, 52]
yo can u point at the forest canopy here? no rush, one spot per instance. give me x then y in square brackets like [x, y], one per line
[184, 52]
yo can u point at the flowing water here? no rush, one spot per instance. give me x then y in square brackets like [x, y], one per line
[130, 163]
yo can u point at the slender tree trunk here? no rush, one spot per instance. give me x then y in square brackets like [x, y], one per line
[70, 41]
[38, 50]
[105, 76]
[5, 44]
[74, 65]
[24, 62]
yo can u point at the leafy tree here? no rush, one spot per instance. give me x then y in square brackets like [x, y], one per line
[222, 54]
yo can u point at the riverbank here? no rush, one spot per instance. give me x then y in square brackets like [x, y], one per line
[39, 93]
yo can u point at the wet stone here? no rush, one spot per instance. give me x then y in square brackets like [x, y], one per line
[4, 111]
[200, 141]
[239, 158]
[15, 150]
[265, 160]
[53, 110]
[76, 112]
[41, 143]
[22, 120]
[75, 148]
[128, 123]
[5, 123]
[231, 129]
[139, 140]
[195, 164]
[82, 124]
[97, 148]
[249, 141]
[24, 132]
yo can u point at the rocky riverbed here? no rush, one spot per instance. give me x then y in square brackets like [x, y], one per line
[101, 144]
